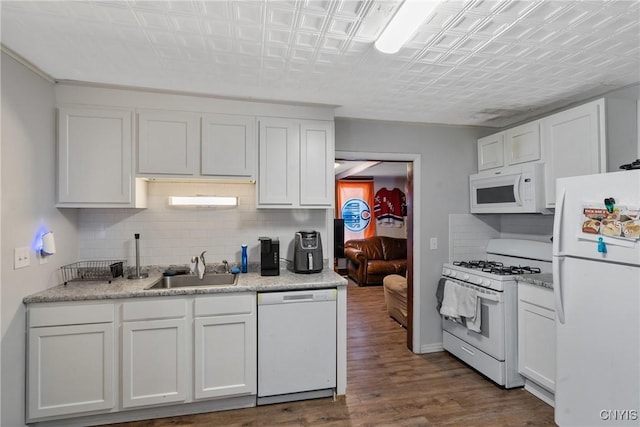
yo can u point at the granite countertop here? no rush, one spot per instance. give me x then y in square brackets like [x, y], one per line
[125, 288]
[544, 280]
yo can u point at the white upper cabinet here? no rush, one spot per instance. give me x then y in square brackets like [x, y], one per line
[168, 143]
[317, 156]
[295, 163]
[522, 143]
[193, 145]
[491, 151]
[279, 148]
[229, 146]
[95, 158]
[574, 144]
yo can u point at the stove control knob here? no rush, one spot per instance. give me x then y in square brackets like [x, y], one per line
[465, 277]
[476, 280]
[453, 274]
[446, 271]
[486, 282]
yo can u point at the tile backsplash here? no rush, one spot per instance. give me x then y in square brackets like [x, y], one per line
[172, 235]
[469, 234]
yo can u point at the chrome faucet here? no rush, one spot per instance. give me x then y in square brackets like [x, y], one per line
[226, 265]
[200, 267]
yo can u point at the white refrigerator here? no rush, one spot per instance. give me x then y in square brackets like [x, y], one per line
[597, 291]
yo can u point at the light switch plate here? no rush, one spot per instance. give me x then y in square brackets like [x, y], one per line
[433, 243]
[21, 257]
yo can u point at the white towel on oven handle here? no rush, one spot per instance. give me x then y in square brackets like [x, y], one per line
[460, 301]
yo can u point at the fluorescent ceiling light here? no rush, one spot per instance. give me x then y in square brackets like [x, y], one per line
[404, 23]
[202, 201]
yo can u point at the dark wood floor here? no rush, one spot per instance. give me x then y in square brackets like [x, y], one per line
[387, 385]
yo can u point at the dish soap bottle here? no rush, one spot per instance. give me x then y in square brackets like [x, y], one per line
[245, 261]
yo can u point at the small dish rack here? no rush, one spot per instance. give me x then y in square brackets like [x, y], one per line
[93, 270]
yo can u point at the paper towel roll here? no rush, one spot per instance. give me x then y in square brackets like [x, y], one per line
[48, 244]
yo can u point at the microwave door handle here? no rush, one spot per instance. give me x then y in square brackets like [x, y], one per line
[516, 189]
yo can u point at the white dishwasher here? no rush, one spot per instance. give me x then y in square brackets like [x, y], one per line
[296, 345]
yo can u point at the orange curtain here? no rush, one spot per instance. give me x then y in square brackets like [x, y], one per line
[355, 206]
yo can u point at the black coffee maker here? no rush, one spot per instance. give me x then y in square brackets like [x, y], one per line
[269, 256]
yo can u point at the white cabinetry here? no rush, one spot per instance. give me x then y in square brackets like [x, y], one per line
[225, 345]
[229, 146]
[95, 158]
[70, 360]
[536, 339]
[167, 143]
[194, 145]
[491, 151]
[522, 143]
[295, 163]
[154, 352]
[574, 144]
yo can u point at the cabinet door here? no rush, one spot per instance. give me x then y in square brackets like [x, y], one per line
[229, 146]
[536, 344]
[522, 143]
[70, 370]
[279, 155]
[225, 356]
[574, 143]
[154, 362]
[317, 178]
[167, 143]
[491, 151]
[94, 157]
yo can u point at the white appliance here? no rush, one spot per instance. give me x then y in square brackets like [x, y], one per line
[493, 351]
[597, 306]
[296, 345]
[513, 189]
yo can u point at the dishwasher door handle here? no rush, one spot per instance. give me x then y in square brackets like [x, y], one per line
[297, 298]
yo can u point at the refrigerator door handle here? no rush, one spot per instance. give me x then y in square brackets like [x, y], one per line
[557, 223]
[557, 288]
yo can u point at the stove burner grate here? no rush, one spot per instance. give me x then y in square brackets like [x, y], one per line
[495, 267]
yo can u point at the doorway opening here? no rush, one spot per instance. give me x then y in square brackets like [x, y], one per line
[401, 171]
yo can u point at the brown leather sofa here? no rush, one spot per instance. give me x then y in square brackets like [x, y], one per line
[370, 260]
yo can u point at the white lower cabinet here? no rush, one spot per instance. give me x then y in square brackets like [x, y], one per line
[536, 338]
[225, 346]
[154, 353]
[70, 360]
[170, 350]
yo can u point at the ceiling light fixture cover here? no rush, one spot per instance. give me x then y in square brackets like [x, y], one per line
[404, 24]
[202, 201]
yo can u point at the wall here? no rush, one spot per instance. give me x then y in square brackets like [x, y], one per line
[28, 198]
[448, 157]
[391, 183]
[171, 235]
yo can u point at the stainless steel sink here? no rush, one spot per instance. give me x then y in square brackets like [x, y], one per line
[189, 281]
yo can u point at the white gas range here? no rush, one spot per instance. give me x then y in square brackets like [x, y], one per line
[493, 350]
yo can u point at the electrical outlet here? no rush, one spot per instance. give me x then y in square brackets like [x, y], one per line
[433, 243]
[21, 257]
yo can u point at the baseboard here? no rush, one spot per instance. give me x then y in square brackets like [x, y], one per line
[540, 392]
[431, 348]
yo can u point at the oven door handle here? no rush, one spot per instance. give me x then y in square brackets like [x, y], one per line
[481, 294]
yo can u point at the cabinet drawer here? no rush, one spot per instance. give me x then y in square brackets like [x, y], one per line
[536, 295]
[474, 357]
[157, 308]
[220, 305]
[71, 314]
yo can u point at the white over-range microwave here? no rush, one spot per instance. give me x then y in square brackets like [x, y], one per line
[514, 189]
